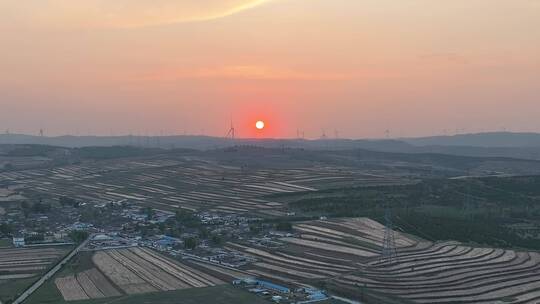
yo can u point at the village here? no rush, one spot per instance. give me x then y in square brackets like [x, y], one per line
[184, 236]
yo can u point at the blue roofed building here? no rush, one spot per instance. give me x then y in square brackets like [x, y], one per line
[167, 241]
[317, 296]
[272, 286]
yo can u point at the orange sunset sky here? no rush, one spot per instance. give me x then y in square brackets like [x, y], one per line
[415, 67]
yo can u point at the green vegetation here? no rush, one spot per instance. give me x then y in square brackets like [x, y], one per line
[360, 293]
[469, 210]
[284, 226]
[224, 294]
[31, 151]
[6, 228]
[183, 221]
[115, 152]
[6, 243]
[217, 239]
[79, 263]
[191, 243]
[149, 212]
[48, 293]
[78, 236]
[67, 201]
[40, 207]
[10, 288]
[188, 219]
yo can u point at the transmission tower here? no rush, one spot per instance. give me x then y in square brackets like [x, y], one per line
[232, 132]
[389, 251]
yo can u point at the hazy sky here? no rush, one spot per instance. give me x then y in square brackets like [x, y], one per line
[415, 67]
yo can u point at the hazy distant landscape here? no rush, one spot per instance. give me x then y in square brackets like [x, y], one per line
[269, 151]
[504, 144]
[293, 199]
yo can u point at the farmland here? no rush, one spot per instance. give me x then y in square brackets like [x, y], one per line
[318, 251]
[185, 182]
[230, 181]
[453, 273]
[21, 266]
[486, 210]
[339, 255]
[222, 294]
[344, 255]
[129, 271]
[295, 218]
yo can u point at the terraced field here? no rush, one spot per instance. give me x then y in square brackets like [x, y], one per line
[345, 253]
[453, 273]
[131, 271]
[182, 183]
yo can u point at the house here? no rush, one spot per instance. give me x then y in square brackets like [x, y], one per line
[317, 296]
[102, 238]
[60, 235]
[18, 241]
[167, 241]
[272, 286]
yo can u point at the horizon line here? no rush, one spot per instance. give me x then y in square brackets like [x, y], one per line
[267, 138]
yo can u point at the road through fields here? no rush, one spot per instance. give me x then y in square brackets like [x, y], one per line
[50, 273]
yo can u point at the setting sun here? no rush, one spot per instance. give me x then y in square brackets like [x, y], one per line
[259, 125]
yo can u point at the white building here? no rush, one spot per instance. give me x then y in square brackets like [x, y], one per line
[18, 241]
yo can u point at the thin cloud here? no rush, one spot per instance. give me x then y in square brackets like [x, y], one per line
[246, 72]
[266, 73]
[450, 57]
[118, 13]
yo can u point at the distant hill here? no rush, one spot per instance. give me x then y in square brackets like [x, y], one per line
[515, 145]
[486, 140]
[199, 142]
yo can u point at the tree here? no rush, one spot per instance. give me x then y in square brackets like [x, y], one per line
[67, 201]
[149, 213]
[162, 227]
[90, 215]
[25, 207]
[217, 239]
[40, 207]
[284, 226]
[191, 243]
[255, 229]
[78, 236]
[203, 233]
[6, 228]
[187, 219]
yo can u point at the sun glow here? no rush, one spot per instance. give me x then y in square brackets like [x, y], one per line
[259, 125]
